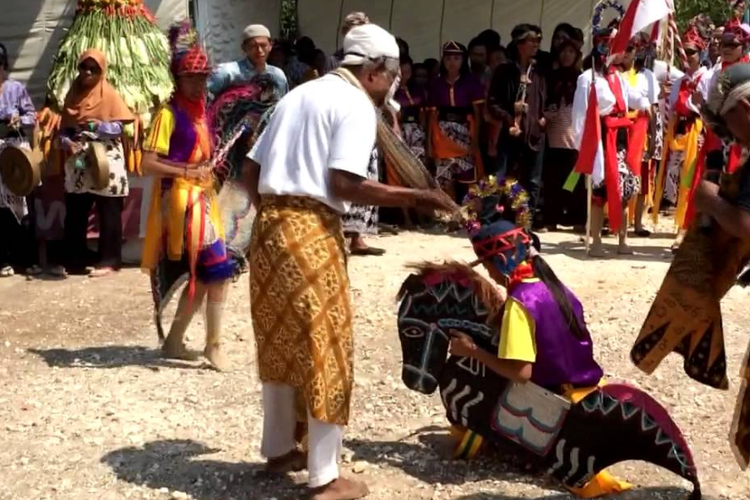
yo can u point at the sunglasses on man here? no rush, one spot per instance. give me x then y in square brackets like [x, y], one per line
[730, 44]
[691, 52]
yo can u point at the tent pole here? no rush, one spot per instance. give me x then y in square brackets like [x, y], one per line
[541, 14]
[492, 14]
[341, 20]
[390, 18]
[440, 35]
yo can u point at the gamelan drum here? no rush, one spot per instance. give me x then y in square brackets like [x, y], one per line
[98, 164]
[20, 169]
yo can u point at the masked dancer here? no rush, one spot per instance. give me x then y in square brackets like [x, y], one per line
[543, 338]
[184, 238]
[306, 169]
[17, 118]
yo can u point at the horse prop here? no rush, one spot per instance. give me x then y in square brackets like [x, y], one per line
[575, 440]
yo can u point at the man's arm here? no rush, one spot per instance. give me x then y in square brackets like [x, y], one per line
[250, 180]
[734, 219]
[350, 187]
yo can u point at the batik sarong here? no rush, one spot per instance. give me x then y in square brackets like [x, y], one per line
[363, 219]
[686, 319]
[301, 309]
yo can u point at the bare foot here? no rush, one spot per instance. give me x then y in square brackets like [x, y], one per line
[294, 461]
[597, 251]
[101, 272]
[624, 249]
[341, 489]
[171, 350]
[216, 357]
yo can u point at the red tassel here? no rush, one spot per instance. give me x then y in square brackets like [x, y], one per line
[612, 180]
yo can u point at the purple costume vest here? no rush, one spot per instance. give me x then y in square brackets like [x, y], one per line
[561, 358]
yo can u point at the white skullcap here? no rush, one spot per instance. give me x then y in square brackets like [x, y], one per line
[254, 31]
[368, 42]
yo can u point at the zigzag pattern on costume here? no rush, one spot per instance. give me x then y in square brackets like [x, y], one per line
[576, 441]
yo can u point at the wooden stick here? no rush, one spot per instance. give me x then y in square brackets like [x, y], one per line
[589, 199]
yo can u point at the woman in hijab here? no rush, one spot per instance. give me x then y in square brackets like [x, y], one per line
[93, 113]
[17, 117]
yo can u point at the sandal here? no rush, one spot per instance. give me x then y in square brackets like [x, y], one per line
[377, 252]
[6, 272]
[58, 272]
[34, 270]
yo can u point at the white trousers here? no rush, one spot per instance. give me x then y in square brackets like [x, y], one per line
[279, 423]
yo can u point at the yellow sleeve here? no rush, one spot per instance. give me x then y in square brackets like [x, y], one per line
[517, 334]
[160, 134]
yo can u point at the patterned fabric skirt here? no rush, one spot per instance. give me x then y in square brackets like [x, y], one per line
[462, 169]
[363, 219]
[672, 181]
[213, 264]
[300, 302]
[630, 184]
[16, 204]
[415, 137]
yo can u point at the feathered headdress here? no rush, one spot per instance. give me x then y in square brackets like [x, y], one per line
[188, 56]
[498, 219]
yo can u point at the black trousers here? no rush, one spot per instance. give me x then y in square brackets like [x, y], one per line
[109, 211]
[17, 246]
[560, 206]
[518, 160]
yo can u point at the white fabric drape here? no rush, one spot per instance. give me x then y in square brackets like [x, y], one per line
[427, 24]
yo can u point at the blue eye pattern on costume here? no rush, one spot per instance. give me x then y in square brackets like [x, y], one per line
[498, 221]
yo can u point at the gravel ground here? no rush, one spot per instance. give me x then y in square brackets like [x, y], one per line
[89, 411]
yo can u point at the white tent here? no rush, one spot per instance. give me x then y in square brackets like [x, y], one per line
[427, 24]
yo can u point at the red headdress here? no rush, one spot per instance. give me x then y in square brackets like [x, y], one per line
[188, 57]
[736, 31]
[693, 38]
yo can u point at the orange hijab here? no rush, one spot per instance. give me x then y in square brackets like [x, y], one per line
[101, 102]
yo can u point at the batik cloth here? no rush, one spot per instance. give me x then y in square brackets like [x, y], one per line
[16, 204]
[184, 236]
[78, 178]
[452, 128]
[686, 317]
[300, 302]
[363, 219]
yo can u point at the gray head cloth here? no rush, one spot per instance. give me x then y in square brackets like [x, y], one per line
[731, 86]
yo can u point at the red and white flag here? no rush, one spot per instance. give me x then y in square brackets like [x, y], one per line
[591, 140]
[640, 15]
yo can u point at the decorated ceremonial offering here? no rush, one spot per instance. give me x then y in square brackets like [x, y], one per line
[236, 118]
[138, 56]
[20, 169]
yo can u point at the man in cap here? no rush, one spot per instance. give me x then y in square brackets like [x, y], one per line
[304, 172]
[257, 45]
[350, 22]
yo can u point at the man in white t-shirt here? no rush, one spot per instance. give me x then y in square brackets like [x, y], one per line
[306, 169]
